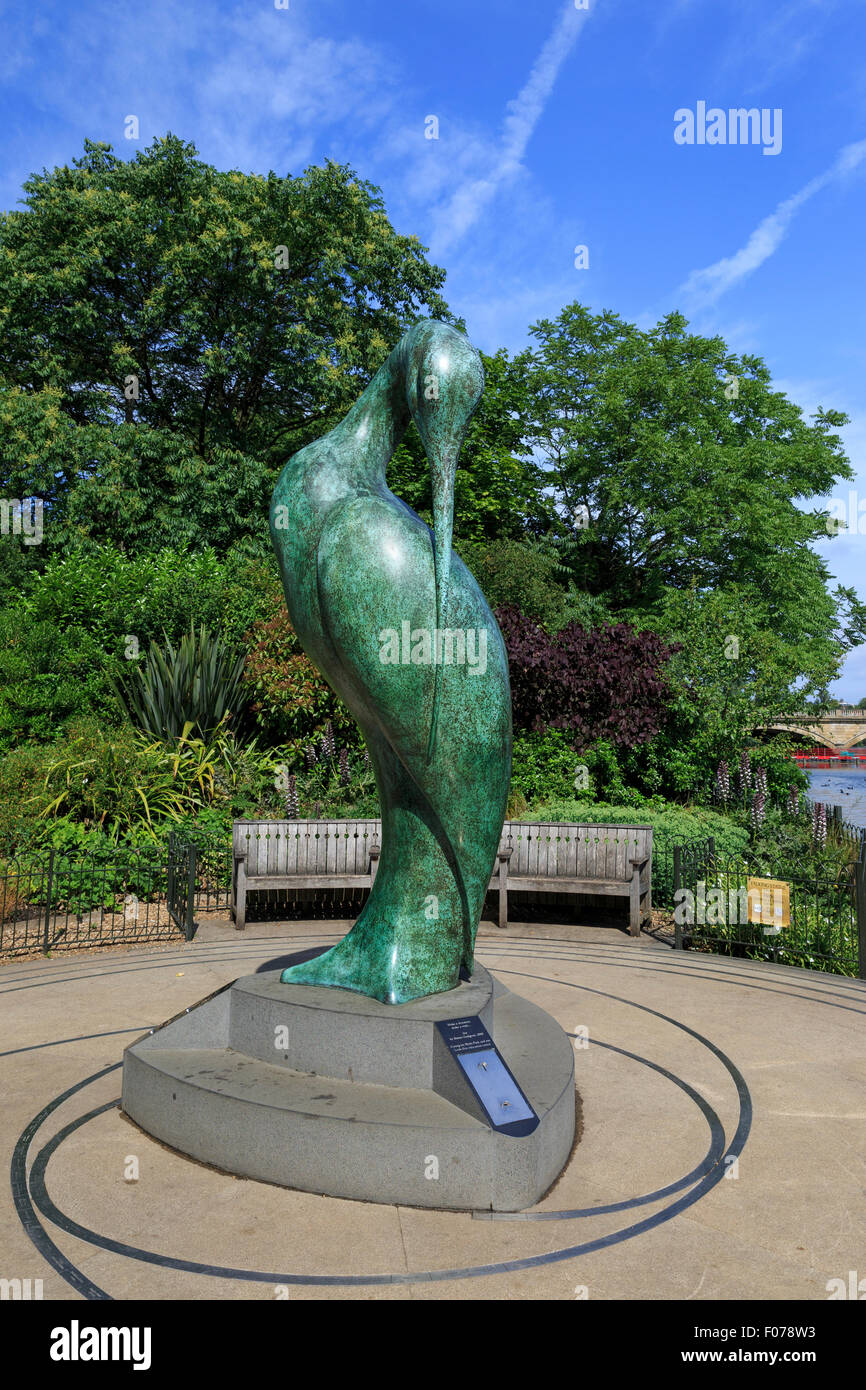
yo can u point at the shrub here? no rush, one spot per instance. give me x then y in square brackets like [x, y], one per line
[49, 674]
[606, 682]
[195, 687]
[288, 698]
[120, 782]
[524, 575]
[544, 764]
[67, 634]
[672, 825]
[21, 774]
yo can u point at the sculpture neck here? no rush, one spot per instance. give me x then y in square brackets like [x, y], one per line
[377, 421]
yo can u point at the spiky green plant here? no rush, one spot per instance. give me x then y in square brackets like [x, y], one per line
[197, 684]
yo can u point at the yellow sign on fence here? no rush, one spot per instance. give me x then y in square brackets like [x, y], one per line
[769, 902]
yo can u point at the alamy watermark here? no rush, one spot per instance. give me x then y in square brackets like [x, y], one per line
[738, 907]
[77, 1343]
[736, 126]
[438, 646]
[20, 1290]
[22, 517]
[854, 1289]
[849, 516]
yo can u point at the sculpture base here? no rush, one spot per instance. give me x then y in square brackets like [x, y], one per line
[332, 1092]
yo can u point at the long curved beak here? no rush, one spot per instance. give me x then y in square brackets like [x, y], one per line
[442, 470]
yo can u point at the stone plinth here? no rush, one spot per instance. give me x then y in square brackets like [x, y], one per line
[330, 1091]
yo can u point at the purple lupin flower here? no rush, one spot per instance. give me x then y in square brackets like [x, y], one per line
[329, 746]
[292, 802]
[819, 824]
[759, 810]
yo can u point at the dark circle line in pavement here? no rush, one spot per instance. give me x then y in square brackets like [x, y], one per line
[82, 1037]
[42, 1199]
[179, 954]
[708, 1163]
[712, 1157]
[581, 957]
[721, 968]
[21, 1200]
[544, 948]
[714, 971]
[702, 975]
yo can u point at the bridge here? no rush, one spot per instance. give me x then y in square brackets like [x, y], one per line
[839, 728]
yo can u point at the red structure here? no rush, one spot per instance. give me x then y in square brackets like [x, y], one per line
[822, 757]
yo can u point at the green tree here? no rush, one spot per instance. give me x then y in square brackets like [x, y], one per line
[676, 464]
[734, 675]
[170, 334]
[526, 573]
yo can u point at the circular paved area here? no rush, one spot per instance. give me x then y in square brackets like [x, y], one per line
[722, 1154]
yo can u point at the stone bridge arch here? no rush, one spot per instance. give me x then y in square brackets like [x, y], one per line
[838, 729]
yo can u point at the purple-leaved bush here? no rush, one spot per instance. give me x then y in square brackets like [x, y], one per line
[605, 683]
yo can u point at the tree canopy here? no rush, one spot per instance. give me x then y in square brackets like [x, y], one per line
[170, 334]
[679, 471]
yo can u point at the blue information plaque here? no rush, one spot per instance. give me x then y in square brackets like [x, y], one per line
[494, 1086]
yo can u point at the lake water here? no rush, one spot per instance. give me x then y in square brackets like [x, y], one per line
[841, 788]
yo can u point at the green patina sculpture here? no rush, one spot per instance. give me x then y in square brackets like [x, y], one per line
[401, 631]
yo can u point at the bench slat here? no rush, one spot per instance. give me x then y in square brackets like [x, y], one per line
[334, 848]
[541, 884]
[266, 881]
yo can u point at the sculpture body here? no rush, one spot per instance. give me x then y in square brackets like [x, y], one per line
[401, 631]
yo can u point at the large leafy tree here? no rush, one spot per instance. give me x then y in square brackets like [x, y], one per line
[170, 334]
[735, 673]
[676, 467]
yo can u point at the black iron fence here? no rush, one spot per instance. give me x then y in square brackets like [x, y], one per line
[730, 905]
[62, 901]
[180, 885]
[199, 876]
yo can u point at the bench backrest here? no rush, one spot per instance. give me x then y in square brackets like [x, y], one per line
[538, 848]
[551, 850]
[306, 846]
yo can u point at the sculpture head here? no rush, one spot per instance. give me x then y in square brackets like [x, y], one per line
[444, 383]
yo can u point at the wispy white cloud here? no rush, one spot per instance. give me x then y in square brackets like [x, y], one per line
[768, 44]
[667, 16]
[463, 207]
[704, 287]
[252, 88]
[757, 44]
[500, 309]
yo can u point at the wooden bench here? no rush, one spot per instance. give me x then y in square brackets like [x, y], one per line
[302, 854]
[540, 857]
[547, 857]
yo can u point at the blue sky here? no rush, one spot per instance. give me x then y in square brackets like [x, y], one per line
[556, 129]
